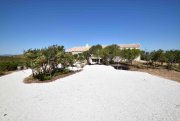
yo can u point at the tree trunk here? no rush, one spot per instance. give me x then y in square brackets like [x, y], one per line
[131, 62]
[33, 72]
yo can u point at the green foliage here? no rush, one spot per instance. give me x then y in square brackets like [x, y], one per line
[44, 61]
[2, 72]
[112, 50]
[124, 54]
[177, 56]
[159, 56]
[134, 54]
[130, 54]
[145, 56]
[169, 66]
[43, 77]
[86, 54]
[80, 57]
[95, 50]
[66, 59]
[65, 71]
[10, 63]
[170, 57]
[109, 52]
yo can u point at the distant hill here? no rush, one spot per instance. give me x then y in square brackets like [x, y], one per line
[9, 55]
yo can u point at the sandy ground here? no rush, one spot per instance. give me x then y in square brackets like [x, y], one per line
[168, 74]
[98, 93]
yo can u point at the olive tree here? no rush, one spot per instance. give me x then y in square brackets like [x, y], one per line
[130, 54]
[44, 61]
[109, 52]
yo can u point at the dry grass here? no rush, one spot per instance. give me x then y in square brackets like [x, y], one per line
[160, 71]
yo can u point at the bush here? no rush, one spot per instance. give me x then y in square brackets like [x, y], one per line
[8, 66]
[2, 73]
[46, 77]
[10, 63]
[65, 71]
[43, 77]
[169, 66]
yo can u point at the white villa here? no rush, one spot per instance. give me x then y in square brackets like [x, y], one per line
[78, 50]
[94, 60]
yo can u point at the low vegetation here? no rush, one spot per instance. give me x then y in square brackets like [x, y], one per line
[10, 63]
[45, 62]
[159, 70]
[108, 53]
[169, 59]
[57, 75]
[157, 62]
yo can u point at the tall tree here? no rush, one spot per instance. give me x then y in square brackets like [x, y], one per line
[159, 56]
[44, 61]
[130, 54]
[95, 50]
[109, 52]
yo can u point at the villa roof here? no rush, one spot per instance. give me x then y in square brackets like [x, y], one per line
[129, 45]
[79, 49]
[86, 48]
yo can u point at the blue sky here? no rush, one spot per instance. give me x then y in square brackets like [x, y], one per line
[24, 24]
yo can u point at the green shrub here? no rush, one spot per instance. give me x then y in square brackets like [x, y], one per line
[2, 73]
[8, 66]
[169, 66]
[10, 63]
[65, 71]
[46, 77]
[43, 77]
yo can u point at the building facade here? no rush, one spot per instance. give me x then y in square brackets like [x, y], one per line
[94, 60]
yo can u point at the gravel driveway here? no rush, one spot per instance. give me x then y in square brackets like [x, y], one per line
[98, 93]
